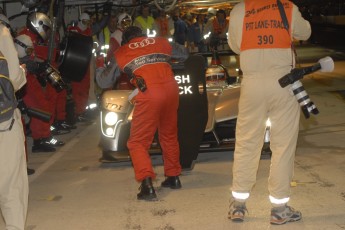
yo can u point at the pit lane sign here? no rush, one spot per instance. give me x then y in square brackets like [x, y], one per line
[193, 108]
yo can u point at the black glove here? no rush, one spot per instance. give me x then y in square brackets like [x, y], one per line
[41, 67]
[42, 80]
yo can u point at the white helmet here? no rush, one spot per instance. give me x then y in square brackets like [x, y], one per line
[124, 20]
[211, 11]
[40, 23]
[84, 16]
[24, 45]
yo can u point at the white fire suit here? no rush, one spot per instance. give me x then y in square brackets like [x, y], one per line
[13, 173]
[262, 97]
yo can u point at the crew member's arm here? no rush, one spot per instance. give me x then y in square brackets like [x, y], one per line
[179, 52]
[235, 27]
[107, 76]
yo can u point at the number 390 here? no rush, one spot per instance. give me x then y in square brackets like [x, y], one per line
[266, 39]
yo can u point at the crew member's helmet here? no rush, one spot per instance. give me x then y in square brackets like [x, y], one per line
[30, 3]
[24, 45]
[40, 23]
[124, 20]
[215, 76]
[211, 11]
[130, 33]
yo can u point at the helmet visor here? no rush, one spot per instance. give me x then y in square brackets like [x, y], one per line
[46, 30]
[126, 22]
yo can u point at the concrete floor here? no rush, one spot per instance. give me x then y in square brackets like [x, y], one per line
[71, 190]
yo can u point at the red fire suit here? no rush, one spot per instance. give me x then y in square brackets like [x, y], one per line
[80, 90]
[155, 108]
[57, 99]
[35, 96]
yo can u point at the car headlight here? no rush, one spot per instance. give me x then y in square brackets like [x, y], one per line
[110, 118]
[109, 131]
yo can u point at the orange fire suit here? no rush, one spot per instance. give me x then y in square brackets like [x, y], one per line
[155, 108]
[256, 33]
[80, 90]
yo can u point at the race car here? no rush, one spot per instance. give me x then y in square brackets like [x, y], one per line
[214, 121]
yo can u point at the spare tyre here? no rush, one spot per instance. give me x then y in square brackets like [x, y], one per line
[76, 51]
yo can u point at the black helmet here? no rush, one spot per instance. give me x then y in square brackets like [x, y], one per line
[130, 33]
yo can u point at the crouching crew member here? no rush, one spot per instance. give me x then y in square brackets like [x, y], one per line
[146, 61]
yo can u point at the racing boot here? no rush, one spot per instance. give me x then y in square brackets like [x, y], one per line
[46, 144]
[64, 125]
[172, 182]
[58, 130]
[147, 191]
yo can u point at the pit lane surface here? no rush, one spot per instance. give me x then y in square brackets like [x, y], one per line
[71, 190]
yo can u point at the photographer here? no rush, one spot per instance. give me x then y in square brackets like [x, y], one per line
[146, 60]
[14, 186]
[265, 56]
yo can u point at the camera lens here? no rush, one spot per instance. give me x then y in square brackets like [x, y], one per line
[303, 99]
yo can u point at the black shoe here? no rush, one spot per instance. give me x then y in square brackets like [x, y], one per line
[46, 144]
[65, 125]
[57, 130]
[147, 192]
[82, 118]
[30, 171]
[41, 147]
[172, 182]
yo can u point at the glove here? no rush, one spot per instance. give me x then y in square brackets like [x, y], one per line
[42, 80]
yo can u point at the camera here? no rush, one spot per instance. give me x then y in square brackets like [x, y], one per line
[307, 106]
[32, 112]
[325, 65]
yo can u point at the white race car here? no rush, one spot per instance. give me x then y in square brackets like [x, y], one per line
[207, 114]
